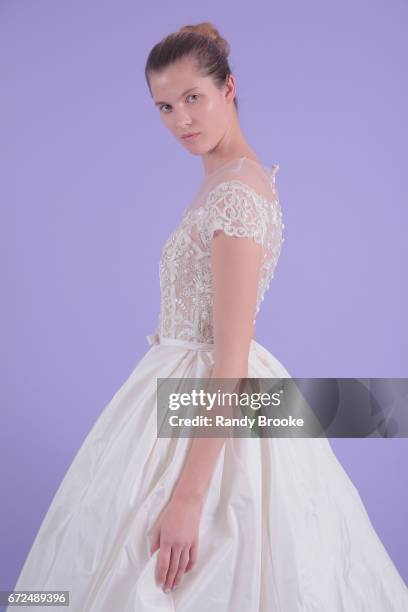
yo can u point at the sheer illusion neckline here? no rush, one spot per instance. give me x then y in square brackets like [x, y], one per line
[235, 159]
[213, 172]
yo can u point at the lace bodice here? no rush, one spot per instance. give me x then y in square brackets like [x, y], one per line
[239, 198]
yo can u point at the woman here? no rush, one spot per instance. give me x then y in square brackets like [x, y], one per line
[229, 524]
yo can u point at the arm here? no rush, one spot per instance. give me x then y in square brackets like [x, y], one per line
[236, 256]
[236, 263]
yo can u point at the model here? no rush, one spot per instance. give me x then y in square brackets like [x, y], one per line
[236, 524]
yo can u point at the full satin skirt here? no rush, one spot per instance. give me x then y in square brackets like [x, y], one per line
[283, 528]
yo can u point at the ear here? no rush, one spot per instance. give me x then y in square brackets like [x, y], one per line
[230, 88]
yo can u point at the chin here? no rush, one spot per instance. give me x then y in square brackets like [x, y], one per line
[196, 152]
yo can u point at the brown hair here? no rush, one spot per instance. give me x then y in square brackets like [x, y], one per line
[201, 41]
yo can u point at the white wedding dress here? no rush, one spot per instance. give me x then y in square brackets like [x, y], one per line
[283, 528]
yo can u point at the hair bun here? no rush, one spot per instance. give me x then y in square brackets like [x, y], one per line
[209, 31]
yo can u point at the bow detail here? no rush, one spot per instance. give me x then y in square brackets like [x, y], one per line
[153, 338]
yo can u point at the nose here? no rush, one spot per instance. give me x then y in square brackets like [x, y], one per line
[182, 120]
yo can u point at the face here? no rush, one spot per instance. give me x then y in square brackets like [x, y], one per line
[189, 103]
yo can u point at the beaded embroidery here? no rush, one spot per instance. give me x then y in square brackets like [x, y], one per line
[185, 263]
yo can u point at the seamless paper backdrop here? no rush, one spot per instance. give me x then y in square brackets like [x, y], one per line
[91, 180]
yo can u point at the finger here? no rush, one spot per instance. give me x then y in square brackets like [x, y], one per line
[155, 542]
[193, 556]
[162, 566]
[174, 563]
[181, 568]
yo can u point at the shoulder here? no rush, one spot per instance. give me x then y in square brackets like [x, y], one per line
[244, 177]
[237, 208]
[240, 200]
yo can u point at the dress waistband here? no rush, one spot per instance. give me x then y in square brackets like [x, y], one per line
[156, 338]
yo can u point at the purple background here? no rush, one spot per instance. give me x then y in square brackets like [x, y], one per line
[93, 183]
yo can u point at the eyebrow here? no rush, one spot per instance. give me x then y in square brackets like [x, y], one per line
[183, 94]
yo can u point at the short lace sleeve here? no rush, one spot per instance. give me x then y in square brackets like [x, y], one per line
[235, 208]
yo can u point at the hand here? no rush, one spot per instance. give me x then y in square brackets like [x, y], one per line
[175, 532]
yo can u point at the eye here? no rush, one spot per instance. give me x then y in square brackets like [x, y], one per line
[161, 107]
[193, 95]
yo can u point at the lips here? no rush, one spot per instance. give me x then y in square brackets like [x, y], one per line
[188, 136]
